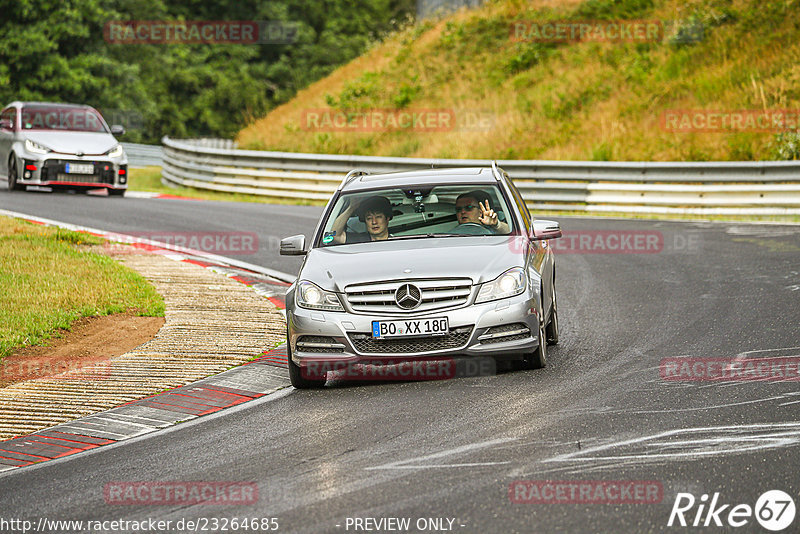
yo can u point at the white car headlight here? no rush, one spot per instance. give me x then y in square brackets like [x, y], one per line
[311, 296]
[35, 148]
[510, 283]
[115, 152]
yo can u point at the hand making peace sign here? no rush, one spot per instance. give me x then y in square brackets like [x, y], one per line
[488, 217]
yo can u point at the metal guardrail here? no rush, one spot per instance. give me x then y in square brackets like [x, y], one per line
[726, 188]
[143, 155]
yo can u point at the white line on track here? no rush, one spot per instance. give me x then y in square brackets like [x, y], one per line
[729, 439]
[278, 275]
[402, 464]
[192, 421]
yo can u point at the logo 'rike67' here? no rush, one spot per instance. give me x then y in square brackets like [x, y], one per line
[774, 510]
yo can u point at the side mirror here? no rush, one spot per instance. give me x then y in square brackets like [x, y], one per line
[293, 246]
[546, 229]
[6, 124]
[117, 129]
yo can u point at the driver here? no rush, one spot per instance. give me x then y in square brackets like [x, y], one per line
[375, 212]
[474, 207]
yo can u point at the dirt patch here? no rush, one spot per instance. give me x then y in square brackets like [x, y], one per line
[91, 342]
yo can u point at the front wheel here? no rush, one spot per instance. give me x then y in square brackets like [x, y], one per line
[296, 373]
[552, 326]
[538, 358]
[13, 175]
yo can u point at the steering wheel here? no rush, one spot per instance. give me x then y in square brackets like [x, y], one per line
[471, 228]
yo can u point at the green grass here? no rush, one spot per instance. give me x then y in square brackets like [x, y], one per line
[563, 101]
[600, 101]
[46, 283]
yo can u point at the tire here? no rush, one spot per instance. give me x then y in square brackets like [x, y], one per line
[551, 332]
[116, 192]
[295, 373]
[537, 359]
[13, 175]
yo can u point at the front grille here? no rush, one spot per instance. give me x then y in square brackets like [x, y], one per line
[53, 170]
[365, 344]
[84, 178]
[506, 332]
[435, 294]
[319, 344]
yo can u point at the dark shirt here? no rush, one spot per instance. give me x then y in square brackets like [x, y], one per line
[357, 237]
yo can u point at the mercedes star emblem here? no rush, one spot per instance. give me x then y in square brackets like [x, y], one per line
[408, 296]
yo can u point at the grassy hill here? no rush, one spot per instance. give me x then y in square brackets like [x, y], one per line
[586, 100]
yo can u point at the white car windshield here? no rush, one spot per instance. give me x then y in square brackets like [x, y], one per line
[417, 213]
[65, 118]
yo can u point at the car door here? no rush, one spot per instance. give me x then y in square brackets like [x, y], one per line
[8, 118]
[539, 260]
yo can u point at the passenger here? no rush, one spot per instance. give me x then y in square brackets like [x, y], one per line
[375, 212]
[474, 207]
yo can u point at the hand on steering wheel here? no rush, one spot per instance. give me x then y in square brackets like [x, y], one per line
[472, 228]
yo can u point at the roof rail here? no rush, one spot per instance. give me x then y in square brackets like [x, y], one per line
[496, 171]
[355, 173]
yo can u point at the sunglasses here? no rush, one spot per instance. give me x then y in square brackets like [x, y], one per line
[468, 207]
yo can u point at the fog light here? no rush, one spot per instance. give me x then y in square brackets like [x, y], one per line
[122, 179]
[27, 174]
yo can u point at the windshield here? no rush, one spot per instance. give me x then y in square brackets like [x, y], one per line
[64, 118]
[417, 213]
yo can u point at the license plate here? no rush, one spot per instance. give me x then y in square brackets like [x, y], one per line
[435, 326]
[79, 168]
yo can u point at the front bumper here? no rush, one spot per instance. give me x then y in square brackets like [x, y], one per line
[50, 170]
[506, 327]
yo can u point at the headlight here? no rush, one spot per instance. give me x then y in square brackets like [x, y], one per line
[35, 148]
[115, 152]
[310, 296]
[508, 284]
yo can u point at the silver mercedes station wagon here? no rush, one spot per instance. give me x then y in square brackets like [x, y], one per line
[419, 266]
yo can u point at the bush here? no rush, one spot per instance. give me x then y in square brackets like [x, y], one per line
[786, 145]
